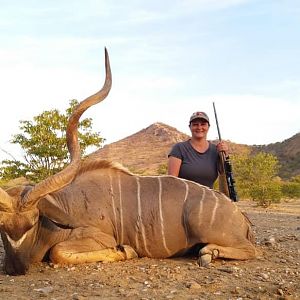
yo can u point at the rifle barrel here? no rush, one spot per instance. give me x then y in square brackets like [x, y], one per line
[217, 123]
[227, 166]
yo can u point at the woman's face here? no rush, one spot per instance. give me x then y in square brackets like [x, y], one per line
[199, 128]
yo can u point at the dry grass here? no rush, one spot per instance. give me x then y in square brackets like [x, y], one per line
[291, 206]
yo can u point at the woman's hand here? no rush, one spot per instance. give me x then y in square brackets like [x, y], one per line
[223, 147]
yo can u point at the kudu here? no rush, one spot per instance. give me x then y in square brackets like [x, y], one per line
[95, 210]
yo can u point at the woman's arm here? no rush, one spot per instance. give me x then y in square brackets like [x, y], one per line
[174, 164]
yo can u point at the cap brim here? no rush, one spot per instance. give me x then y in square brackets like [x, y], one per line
[199, 118]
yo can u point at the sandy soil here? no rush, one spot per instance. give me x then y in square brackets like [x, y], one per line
[275, 274]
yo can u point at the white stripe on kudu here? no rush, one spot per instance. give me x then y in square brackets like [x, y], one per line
[161, 217]
[121, 210]
[186, 190]
[184, 218]
[140, 216]
[213, 216]
[201, 205]
[112, 196]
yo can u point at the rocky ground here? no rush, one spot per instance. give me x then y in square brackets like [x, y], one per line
[275, 274]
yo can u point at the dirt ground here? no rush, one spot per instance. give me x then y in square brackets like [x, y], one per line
[275, 274]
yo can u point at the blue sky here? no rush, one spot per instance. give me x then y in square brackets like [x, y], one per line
[168, 59]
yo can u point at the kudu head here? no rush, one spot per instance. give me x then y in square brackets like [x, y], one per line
[19, 213]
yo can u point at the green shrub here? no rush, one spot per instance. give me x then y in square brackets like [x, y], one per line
[291, 189]
[162, 169]
[264, 195]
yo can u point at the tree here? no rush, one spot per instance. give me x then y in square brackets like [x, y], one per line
[256, 177]
[44, 143]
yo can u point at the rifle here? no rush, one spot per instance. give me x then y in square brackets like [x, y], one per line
[226, 165]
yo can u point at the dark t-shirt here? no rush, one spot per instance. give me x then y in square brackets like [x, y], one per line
[196, 166]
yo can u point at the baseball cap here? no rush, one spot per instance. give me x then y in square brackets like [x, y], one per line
[199, 115]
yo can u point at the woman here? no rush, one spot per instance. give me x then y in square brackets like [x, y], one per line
[197, 159]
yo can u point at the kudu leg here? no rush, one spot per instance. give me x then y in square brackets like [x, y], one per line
[211, 251]
[87, 250]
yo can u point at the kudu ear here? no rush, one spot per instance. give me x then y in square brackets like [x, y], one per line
[52, 211]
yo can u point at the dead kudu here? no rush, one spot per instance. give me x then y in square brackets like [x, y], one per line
[95, 210]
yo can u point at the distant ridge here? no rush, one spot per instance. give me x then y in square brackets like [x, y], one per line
[288, 154]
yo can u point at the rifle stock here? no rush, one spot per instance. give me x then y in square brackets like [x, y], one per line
[226, 180]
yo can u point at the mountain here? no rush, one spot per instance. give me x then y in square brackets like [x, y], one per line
[288, 154]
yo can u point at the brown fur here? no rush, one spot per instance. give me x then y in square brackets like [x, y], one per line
[250, 235]
[90, 164]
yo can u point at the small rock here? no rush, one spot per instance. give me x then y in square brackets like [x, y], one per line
[226, 269]
[45, 291]
[193, 285]
[237, 290]
[261, 289]
[280, 292]
[270, 241]
[264, 275]
[75, 296]
[54, 266]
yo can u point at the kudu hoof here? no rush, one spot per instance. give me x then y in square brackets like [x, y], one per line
[128, 251]
[204, 260]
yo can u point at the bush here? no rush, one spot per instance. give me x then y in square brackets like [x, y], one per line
[162, 169]
[264, 195]
[291, 189]
[256, 177]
